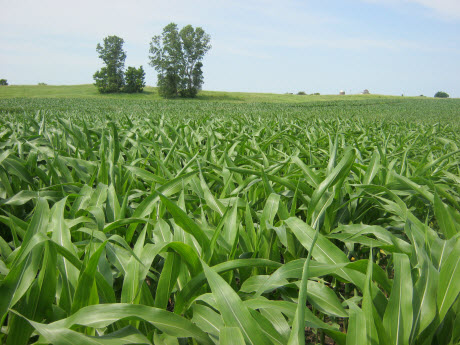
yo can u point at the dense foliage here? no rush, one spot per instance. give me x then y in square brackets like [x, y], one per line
[110, 78]
[441, 94]
[3, 82]
[113, 78]
[176, 56]
[227, 223]
[134, 80]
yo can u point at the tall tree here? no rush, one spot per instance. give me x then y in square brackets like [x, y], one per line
[176, 56]
[111, 77]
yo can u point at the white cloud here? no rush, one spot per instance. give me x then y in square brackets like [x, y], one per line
[446, 9]
[130, 19]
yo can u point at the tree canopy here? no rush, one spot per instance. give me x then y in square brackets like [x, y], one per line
[176, 56]
[441, 94]
[134, 80]
[112, 77]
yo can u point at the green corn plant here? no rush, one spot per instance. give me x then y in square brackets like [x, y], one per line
[196, 222]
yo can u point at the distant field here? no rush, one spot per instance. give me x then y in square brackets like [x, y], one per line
[80, 101]
[85, 91]
[229, 219]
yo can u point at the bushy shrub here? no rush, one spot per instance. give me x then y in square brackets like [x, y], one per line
[441, 94]
[167, 85]
[134, 80]
[301, 93]
[3, 82]
[42, 84]
[108, 82]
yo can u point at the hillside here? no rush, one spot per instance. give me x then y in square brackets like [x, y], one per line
[151, 93]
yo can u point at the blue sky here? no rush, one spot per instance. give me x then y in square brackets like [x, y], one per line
[408, 47]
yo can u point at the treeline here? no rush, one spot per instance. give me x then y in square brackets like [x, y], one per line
[176, 55]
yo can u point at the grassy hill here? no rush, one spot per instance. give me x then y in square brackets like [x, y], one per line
[151, 93]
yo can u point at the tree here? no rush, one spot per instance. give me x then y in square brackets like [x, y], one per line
[176, 56]
[441, 94]
[167, 84]
[111, 77]
[3, 82]
[134, 80]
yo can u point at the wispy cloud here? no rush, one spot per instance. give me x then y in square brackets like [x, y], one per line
[137, 20]
[445, 9]
[342, 43]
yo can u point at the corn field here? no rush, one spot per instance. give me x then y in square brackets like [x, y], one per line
[225, 223]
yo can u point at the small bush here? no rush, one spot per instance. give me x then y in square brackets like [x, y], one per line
[441, 94]
[134, 80]
[108, 82]
[301, 93]
[315, 94]
[42, 84]
[3, 82]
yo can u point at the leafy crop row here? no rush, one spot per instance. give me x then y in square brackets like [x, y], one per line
[201, 223]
